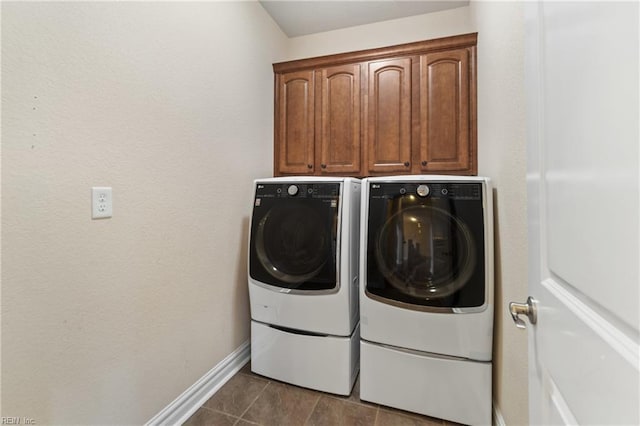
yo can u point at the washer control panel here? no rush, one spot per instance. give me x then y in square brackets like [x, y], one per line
[297, 190]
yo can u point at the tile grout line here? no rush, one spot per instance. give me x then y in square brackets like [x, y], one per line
[253, 402]
[226, 414]
[213, 410]
[247, 421]
[312, 410]
[375, 421]
[364, 404]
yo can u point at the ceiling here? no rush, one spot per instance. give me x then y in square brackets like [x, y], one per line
[304, 17]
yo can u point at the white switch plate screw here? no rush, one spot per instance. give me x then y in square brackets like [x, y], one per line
[101, 202]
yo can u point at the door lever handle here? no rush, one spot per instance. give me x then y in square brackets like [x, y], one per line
[528, 309]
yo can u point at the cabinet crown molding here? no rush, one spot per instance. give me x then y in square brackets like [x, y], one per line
[407, 49]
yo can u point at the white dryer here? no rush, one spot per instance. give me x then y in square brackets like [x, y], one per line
[303, 281]
[426, 295]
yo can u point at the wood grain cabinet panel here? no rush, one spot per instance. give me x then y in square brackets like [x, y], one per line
[445, 111]
[388, 116]
[402, 109]
[294, 123]
[338, 134]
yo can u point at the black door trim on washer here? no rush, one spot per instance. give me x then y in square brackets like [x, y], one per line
[425, 245]
[295, 241]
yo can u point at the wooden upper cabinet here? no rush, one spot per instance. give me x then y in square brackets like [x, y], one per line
[447, 134]
[402, 109]
[294, 123]
[338, 135]
[388, 116]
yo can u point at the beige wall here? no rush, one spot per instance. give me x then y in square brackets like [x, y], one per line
[502, 156]
[397, 31]
[171, 104]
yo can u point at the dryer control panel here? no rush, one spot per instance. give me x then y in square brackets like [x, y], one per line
[448, 190]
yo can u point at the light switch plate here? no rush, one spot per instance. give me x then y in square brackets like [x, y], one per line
[101, 202]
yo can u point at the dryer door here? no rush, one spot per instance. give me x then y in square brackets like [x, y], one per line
[425, 247]
[293, 236]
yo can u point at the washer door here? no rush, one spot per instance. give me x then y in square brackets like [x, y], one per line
[291, 244]
[425, 246]
[294, 236]
[425, 252]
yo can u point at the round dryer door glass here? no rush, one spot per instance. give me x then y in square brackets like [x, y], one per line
[425, 252]
[291, 243]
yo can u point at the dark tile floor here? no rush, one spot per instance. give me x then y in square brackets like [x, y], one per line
[250, 399]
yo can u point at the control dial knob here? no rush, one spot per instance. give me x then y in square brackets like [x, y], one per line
[423, 190]
[292, 190]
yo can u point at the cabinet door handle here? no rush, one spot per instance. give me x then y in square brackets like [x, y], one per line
[324, 166]
[309, 166]
[407, 164]
[424, 163]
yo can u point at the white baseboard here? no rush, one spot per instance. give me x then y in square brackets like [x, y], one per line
[498, 420]
[178, 411]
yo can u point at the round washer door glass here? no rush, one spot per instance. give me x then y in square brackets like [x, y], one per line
[425, 252]
[293, 243]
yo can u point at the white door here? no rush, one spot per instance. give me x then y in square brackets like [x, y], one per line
[583, 138]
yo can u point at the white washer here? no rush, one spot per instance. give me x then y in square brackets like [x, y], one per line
[303, 281]
[426, 295]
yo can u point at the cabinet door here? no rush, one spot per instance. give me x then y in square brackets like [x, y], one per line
[388, 116]
[294, 130]
[338, 120]
[446, 140]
